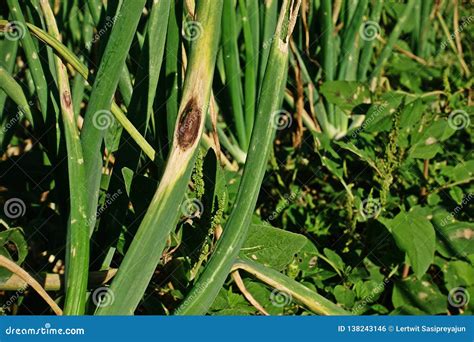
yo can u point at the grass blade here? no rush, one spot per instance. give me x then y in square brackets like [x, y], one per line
[270, 22]
[254, 20]
[69, 57]
[232, 69]
[13, 90]
[102, 95]
[327, 40]
[95, 7]
[7, 62]
[425, 25]
[141, 110]
[77, 260]
[367, 49]
[348, 39]
[250, 70]
[32, 57]
[173, 66]
[397, 30]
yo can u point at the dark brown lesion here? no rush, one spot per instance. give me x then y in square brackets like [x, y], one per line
[67, 99]
[189, 124]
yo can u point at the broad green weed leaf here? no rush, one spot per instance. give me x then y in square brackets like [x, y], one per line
[344, 296]
[410, 117]
[263, 295]
[461, 172]
[406, 310]
[127, 177]
[425, 150]
[335, 259]
[421, 294]
[345, 94]
[415, 235]
[456, 194]
[458, 273]
[230, 304]
[380, 114]
[12, 236]
[271, 246]
[453, 239]
[365, 155]
[426, 144]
